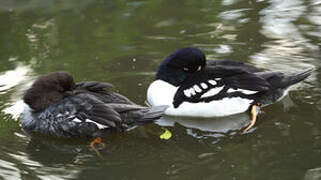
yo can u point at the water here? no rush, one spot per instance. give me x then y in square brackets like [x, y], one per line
[123, 42]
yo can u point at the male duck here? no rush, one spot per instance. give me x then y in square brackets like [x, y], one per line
[57, 106]
[194, 87]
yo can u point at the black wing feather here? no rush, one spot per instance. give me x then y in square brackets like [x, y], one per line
[229, 77]
[231, 63]
[94, 86]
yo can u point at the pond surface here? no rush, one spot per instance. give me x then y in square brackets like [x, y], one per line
[122, 42]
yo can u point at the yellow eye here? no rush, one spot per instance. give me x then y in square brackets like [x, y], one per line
[185, 69]
[199, 68]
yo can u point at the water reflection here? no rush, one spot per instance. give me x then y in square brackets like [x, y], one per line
[8, 170]
[45, 5]
[14, 83]
[222, 125]
[288, 43]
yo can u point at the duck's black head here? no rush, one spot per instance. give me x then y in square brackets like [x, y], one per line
[178, 65]
[48, 90]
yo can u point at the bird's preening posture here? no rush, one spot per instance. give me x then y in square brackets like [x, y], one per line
[57, 106]
[193, 86]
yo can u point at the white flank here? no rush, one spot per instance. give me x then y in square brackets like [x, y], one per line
[100, 126]
[223, 107]
[212, 92]
[162, 93]
[244, 91]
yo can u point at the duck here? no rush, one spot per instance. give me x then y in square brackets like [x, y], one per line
[193, 86]
[57, 106]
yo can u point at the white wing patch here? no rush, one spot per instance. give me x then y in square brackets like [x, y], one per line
[213, 92]
[218, 79]
[76, 120]
[244, 91]
[197, 88]
[204, 86]
[189, 92]
[100, 126]
[212, 82]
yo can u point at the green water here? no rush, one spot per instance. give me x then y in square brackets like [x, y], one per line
[122, 42]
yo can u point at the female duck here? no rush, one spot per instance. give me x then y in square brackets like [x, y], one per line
[194, 87]
[57, 106]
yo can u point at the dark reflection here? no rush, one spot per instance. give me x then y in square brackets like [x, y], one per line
[54, 152]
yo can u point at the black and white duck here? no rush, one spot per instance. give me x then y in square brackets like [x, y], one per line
[193, 87]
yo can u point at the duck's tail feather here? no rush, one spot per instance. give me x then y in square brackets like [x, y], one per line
[152, 114]
[295, 78]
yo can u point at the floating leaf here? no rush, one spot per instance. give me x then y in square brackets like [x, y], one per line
[166, 135]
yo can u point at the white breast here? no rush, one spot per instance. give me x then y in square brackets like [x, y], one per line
[162, 93]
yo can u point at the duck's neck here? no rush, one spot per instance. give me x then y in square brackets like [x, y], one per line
[170, 75]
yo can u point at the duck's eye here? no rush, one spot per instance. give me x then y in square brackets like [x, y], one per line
[199, 68]
[185, 69]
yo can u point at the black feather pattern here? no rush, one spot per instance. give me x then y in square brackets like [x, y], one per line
[225, 77]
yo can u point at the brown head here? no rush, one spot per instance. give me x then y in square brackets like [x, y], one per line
[48, 90]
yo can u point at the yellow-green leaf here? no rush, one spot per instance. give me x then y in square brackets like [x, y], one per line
[166, 135]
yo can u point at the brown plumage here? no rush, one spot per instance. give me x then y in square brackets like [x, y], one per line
[48, 90]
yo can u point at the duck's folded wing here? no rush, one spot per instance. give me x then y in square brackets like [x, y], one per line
[94, 86]
[89, 108]
[217, 82]
[135, 114]
[231, 63]
[237, 78]
[80, 115]
[102, 90]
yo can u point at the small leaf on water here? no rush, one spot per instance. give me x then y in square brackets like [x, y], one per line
[166, 135]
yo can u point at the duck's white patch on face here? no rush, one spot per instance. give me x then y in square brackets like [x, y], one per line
[204, 86]
[197, 88]
[76, 120]
[100, 126]
[212, 82]
[212, 92]
[161, 93]
[218, 79]
[199, 68]
[244, 91]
